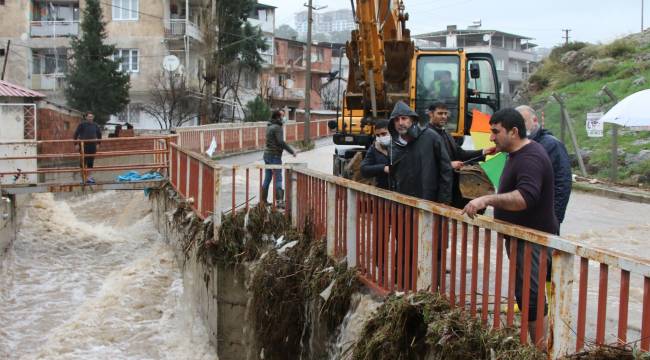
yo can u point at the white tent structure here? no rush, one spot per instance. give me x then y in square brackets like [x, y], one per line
[633, 111]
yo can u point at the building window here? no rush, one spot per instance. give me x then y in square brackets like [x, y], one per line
[500, 64]
[48, 61]
[250, 80]
[125, 9]
[261, 15]
[128, 59]
[131, 114]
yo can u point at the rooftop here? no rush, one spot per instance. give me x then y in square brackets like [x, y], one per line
[8, 89]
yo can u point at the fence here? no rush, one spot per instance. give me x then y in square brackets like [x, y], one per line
[242, 137]
[400, 243]
[69, 157]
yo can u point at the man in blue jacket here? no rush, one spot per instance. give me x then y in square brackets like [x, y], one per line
[559, 159]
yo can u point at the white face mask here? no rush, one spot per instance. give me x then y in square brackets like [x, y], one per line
[384, 140]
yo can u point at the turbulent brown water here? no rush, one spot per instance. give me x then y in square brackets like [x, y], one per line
[90, 278]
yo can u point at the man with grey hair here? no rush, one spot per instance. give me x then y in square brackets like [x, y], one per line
[559, 159]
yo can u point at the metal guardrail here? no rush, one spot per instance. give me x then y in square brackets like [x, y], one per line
[158, 148]
[243, 136]
[393, 240]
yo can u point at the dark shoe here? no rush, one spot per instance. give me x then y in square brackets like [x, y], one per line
[264, 194]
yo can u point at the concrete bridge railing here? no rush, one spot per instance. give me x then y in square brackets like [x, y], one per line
[394, 242]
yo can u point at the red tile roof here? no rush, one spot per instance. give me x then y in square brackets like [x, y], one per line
[10, 90]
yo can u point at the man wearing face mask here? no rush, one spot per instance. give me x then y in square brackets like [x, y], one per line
[377, 160]
[420, 165]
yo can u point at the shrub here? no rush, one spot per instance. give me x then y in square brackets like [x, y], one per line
[619, 48]
[257, 110]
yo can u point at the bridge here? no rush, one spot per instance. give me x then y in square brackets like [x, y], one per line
[392, 240]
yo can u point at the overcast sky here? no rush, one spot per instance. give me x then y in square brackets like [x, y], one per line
[589, 20]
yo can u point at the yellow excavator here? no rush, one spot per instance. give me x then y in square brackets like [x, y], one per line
[386, 67]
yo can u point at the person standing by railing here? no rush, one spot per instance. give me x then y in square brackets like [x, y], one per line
[275, 145]
[525, 198]
[88, 130]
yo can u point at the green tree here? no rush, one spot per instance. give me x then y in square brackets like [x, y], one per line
[236, 48]
[94, 82]
[257, 110]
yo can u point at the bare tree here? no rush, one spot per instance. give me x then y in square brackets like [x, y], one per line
[330, 93]
[172, 104]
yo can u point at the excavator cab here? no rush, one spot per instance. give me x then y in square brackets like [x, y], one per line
[461, 81]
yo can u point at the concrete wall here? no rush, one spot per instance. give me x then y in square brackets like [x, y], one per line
[217, 293]
[8, 222]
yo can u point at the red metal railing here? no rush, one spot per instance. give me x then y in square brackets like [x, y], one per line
[242, 137]
[136, 153]
[399, 243]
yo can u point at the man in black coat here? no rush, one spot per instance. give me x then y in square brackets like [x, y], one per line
[88, 130]
[420, 165]
[438, 113]
[376, 162]
[556, 151]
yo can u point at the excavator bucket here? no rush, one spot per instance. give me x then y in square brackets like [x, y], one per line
[474, 182]
[398, 55]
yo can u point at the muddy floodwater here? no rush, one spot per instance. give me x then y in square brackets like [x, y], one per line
[90, 278]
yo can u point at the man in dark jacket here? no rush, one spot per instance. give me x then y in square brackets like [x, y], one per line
[438, 113]
[275, 145]
[559, 159]
[377, 160]
[88, 130]
[420, 165]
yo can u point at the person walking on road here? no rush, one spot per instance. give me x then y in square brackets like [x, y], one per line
[377, 160]
[88, 130]
[559, 159]
[438, 113]
[275, 145]
[525, 198]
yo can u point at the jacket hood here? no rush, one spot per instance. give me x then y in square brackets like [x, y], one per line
[401, 109]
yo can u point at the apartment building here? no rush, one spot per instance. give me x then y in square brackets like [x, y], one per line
[143, 31]
[287, 84]
[512, 53]
[325, 21]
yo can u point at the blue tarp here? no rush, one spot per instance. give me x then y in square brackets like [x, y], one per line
[135, 176]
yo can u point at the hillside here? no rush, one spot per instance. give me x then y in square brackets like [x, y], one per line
[578, 71]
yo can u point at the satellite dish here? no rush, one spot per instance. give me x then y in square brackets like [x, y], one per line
[170, 63]
[24, 37]
[486, 37]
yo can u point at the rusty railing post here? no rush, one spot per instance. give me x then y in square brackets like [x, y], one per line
[425, 249]
[352, 228]
[331, 218]
[83, 162]
[560, 320]
[216, 201]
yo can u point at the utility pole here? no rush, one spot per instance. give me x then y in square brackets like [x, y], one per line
[4, 66]
[566, 36]
[642, 15]
[310, 9]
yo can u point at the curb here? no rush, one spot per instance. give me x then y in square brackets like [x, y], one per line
[618, 194]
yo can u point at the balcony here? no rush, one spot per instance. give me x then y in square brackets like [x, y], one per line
[63, 28]
[282, 93]
[178, 28]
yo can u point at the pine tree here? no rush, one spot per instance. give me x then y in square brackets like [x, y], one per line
[94, 82]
